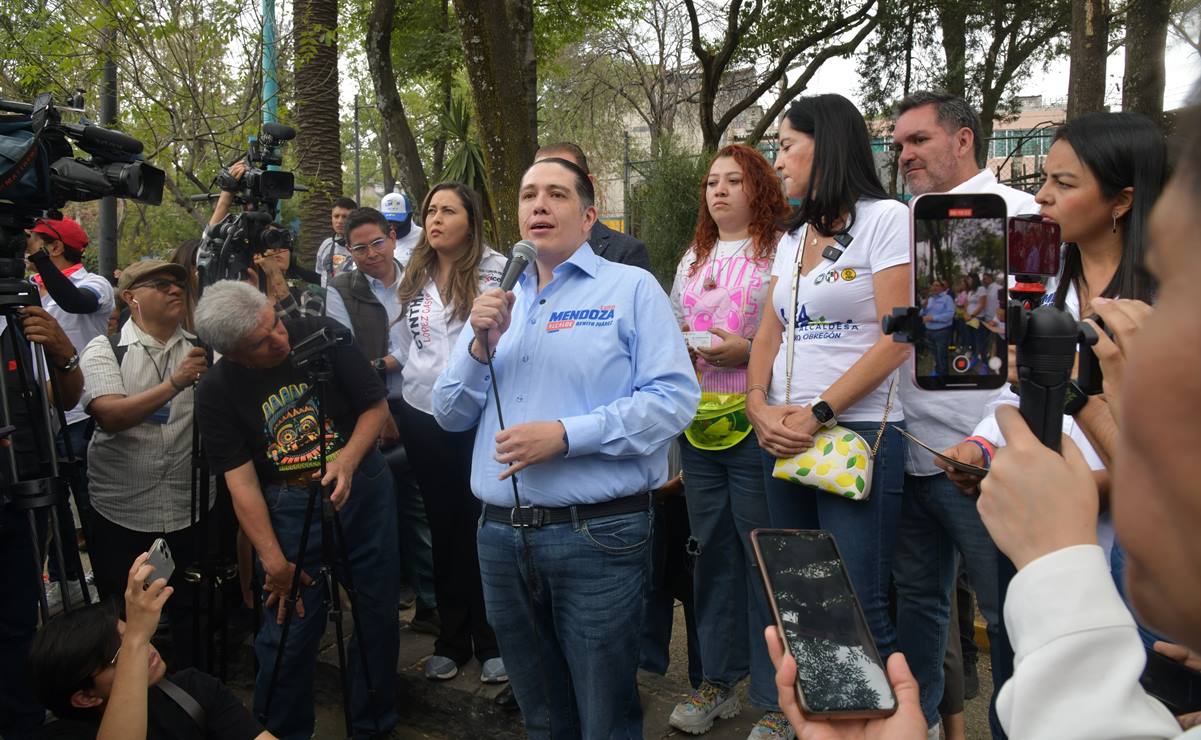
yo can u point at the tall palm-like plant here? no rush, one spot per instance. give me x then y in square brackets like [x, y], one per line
[465, 162]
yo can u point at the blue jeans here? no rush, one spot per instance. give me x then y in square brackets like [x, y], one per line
[368, 521]
[863, 530]
[726, 501]
[567, 615]
[940, 340]
[937, 522]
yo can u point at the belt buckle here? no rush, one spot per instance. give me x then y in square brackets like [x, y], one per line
[536, 517]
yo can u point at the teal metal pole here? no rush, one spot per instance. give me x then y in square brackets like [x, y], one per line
[270, 80]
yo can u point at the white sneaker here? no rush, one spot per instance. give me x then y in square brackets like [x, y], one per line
[695, 715]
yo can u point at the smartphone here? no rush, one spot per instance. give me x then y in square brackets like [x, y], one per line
[839, 671]
[1178, 687]
[160, 558]
[1032, 246]
[956, 237]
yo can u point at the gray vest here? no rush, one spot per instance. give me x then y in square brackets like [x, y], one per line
[368, 318]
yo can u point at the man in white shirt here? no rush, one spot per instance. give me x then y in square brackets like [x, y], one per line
[940, 147]
[333, 259]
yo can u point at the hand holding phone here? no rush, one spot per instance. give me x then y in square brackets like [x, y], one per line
[839, 671]
[160, 559]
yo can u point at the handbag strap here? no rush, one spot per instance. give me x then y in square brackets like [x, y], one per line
[792, 311]
[185, 701]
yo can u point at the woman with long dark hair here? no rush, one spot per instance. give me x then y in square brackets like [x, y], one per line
[449, 267]
[720, 289]
[845, 258]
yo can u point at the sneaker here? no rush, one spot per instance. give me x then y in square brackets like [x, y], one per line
[407, 597]
[772, 726]
[440, 668]
[933, 733]
[427, 621]
[695, 714]
[493, 671]
[54, 596]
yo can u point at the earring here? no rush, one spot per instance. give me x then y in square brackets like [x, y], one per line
[1115, 222]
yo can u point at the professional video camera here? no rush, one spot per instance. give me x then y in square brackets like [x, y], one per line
[229, 246]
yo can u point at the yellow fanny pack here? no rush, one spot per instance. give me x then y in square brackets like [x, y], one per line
[720, 422]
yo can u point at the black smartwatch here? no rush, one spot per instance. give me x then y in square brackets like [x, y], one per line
[822, 412]
[1074, 399]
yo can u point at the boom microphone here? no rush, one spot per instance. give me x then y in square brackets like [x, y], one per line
[524, 253]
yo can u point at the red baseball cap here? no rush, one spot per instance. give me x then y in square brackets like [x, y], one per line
[65, 230]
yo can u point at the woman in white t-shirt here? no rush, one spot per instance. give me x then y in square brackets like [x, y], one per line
[720, 294]
[843, 366]
[449, 267]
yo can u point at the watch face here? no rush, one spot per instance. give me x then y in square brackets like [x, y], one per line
[822, 412]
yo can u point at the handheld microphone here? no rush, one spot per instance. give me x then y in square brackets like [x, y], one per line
[524, 253]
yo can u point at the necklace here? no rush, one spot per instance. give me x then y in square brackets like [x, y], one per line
[710, 282]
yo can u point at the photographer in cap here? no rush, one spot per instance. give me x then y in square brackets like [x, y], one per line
[81, 303]
[139, 389]
[261, 431]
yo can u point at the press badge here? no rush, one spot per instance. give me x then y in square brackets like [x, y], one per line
[161, 414]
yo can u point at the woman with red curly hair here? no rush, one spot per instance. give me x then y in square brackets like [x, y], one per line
[719, 294]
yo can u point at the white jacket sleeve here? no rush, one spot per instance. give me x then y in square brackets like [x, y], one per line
[1077, 656]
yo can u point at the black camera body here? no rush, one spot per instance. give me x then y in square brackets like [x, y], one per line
[229, 247]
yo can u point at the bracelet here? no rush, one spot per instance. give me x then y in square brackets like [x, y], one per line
[988, 448]
[757, 387]
[473, 355]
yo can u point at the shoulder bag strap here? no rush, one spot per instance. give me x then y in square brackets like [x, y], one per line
[185, 701]
[791, 328]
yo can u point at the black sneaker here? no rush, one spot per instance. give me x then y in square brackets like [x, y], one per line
[427, 621]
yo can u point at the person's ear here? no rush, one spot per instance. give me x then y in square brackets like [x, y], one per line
[85, 699]
[967, 141]
[1123, 202]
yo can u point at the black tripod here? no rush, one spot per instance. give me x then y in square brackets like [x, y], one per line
[312, 356]
[33, 495]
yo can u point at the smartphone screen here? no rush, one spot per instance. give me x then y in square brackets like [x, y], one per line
[839, 671]
[959, 259]
[1033, 246]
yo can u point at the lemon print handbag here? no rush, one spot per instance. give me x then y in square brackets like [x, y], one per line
[839, 462]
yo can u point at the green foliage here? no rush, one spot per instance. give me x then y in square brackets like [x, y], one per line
[664, 206]
[466, 160]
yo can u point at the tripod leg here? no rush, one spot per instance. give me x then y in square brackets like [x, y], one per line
[35, 534]
[351, 595]
[65, 585]
[70, 548]
[334, 599]
[293, 594]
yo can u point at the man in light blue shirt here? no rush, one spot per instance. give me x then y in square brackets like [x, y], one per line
[938, 314]
[594, 382]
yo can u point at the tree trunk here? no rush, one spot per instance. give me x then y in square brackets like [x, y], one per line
[318, 143]
[401, 141]
[1090, 47]
[1146, 41]
[502, 102]
[445, 88]
[385, 162]
[523, 29]
[952, 21]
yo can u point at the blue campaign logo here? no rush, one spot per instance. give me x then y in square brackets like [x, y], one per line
[580, 317]
[802, 317]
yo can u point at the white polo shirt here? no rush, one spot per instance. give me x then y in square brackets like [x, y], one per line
[82, 328]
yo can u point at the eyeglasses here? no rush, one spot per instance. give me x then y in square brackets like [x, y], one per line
[379, 245]
[162, 285]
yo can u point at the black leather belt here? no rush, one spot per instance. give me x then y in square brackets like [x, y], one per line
[539, 516]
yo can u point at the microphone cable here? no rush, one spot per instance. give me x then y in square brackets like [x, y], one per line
[530, 576]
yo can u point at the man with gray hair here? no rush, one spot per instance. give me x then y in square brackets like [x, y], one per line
[940, 150]
[259, 419]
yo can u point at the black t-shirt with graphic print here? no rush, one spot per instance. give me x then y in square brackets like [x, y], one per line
[269, 417]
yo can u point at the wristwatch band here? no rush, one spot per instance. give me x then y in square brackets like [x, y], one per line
[70, 364]
[822, 409]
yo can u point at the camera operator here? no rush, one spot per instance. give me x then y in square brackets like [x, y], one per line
[103, 678]
[19, 712]
[259, 424]
[333, 258]
[296, 291]
[81, 302]
[142, 401]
